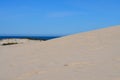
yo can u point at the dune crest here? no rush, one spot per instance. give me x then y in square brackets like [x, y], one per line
[93, 55]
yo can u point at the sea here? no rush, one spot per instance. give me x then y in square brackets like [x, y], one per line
[30, 37]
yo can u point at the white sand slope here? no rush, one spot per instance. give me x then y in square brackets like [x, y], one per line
[93, 55]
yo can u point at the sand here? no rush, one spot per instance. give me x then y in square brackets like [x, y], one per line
[93, 55]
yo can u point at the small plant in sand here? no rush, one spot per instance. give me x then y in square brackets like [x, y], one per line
[4, 44]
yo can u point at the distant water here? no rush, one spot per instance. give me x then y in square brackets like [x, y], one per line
[30, 37]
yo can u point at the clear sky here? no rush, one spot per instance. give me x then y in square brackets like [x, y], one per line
[57, 17]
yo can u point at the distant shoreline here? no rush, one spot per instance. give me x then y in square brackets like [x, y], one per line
[29, 37]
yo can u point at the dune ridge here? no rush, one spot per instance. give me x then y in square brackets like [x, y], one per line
[93, 55]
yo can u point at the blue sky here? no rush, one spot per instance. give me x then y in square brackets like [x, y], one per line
[57, 17]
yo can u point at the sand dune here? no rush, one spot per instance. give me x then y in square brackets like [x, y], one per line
[93, 55]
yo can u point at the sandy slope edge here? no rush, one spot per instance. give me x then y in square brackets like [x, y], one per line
[93, 55]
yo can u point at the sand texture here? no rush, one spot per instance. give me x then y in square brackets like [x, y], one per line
[93, 55]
